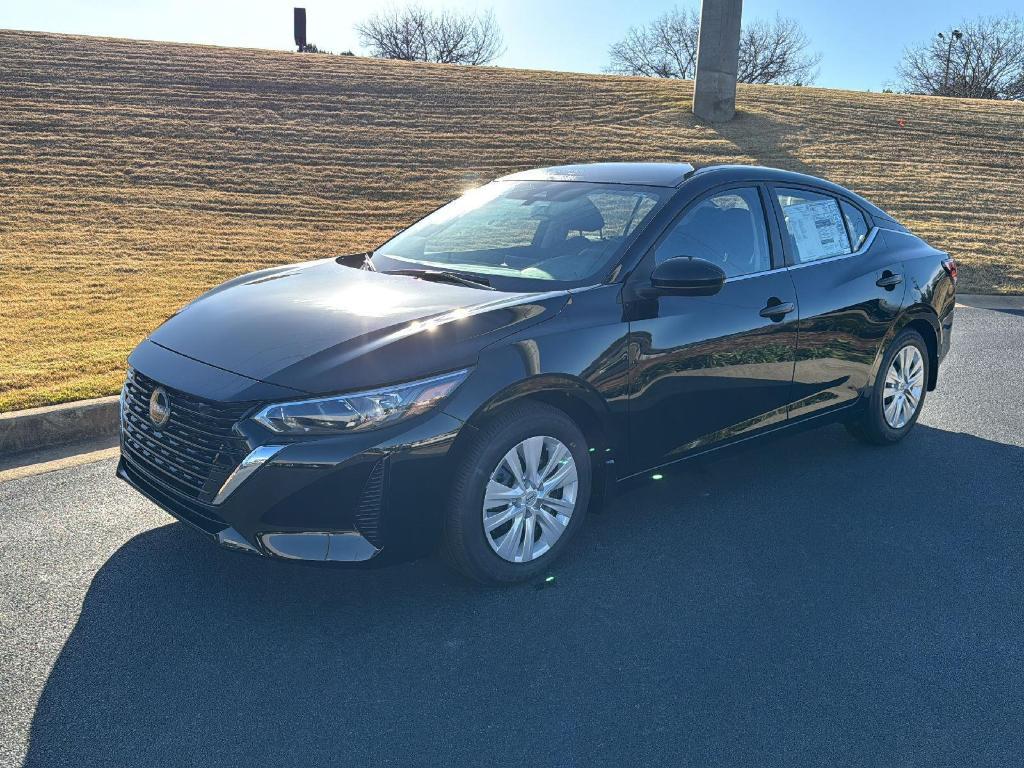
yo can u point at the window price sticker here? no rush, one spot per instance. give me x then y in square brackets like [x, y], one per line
[817, 227]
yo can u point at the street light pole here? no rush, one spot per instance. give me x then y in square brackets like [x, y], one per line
[956, 34]
[300, 29]
[718, 51]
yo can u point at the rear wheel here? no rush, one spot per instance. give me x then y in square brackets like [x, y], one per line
[899, 392]
[519, 495]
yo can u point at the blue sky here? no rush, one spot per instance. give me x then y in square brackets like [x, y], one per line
[861, 41]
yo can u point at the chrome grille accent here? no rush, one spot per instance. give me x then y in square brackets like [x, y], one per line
[194, 452]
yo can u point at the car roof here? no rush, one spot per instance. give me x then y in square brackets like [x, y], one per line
[674, 174]
[645, 174]
[737, 172]
[729, 173]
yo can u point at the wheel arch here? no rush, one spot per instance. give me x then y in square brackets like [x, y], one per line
[579, 401]
[923, 319]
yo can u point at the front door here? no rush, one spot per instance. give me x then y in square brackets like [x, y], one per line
[849, 289]
[707, 369]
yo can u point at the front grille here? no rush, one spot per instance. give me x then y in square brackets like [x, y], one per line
[194, 452]
[198, 514]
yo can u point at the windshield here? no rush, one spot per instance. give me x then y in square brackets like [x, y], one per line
[566, 232]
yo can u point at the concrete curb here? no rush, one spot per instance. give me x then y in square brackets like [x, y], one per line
[56, 424]
[990, 301]
[86, 419]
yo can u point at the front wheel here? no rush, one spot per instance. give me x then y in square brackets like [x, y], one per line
[898, 395]
[519, 495]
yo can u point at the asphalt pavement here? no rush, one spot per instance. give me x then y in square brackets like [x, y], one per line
[804, 601]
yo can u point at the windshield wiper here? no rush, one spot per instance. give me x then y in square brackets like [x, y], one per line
[443, 275]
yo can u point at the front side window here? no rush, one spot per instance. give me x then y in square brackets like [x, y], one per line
[534, 230]
[727, 229]
[814, 224]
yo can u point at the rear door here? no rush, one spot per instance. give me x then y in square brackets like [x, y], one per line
[850, 291]
[707, 369]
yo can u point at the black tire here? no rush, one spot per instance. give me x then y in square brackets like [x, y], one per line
[465, 543]
[870, 426]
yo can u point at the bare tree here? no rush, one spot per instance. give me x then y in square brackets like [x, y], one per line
[770, 51]
[415, 33]
[776, 52]
[667, 47]
[982, 59]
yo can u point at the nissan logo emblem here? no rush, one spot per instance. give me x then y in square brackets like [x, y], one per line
[159, 407]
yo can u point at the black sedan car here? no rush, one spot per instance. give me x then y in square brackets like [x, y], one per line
[490, 373]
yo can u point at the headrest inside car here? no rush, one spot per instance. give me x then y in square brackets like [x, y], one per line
[584, 217]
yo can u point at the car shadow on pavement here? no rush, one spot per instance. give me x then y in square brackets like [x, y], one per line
[810, 600]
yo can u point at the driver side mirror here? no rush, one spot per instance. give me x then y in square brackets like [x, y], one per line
[686, 276]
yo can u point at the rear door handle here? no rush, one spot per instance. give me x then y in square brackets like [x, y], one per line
[777, 310]
[889, 280]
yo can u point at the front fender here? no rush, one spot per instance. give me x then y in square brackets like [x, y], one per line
[576, 361]
[487, 392]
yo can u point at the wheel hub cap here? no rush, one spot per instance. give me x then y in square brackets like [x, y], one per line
[904, 386]
[530, 498]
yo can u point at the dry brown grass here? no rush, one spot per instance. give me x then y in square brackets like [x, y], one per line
[135, 175]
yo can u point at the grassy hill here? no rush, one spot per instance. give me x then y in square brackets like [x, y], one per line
[135, 175]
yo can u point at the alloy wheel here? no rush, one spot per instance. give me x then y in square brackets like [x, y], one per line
[904, 385]
[530, 498]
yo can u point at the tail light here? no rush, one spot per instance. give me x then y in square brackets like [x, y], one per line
[951, 269]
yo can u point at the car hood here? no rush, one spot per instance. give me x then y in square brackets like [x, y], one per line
[322, 327]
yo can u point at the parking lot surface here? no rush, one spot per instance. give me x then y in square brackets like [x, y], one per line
[802, 601]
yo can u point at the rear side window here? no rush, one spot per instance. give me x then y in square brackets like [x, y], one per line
[814, 223]
[855, 223]
[726, 229]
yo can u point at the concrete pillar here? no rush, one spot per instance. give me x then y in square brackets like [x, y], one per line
[718, 50]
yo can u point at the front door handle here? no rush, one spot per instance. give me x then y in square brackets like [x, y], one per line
[889, 280]
[776, 309]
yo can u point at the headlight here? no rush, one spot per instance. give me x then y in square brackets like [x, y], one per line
[360, 410]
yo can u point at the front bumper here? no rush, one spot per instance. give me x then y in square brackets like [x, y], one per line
[322, 546]
[375, 497]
